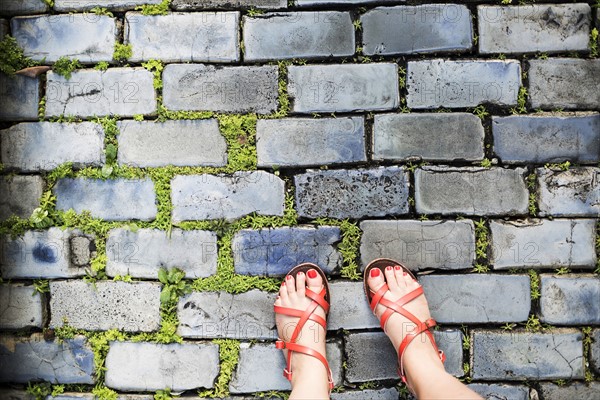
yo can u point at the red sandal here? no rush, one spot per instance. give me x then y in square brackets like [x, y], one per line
[397, 307]
[318, 299]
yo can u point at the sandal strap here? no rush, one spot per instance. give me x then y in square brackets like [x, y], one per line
[298, 348]
[292, 312]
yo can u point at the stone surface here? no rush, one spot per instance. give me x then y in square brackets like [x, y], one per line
[500, 392]
[185, 5]
[371, 394]
[242, 89]
[90, 396]
[19, 98]
[557, 355]
[230, 197]
[291, 142]
[221, 314]
[417, 136]
[200, 37]
[419, 244]
[4, 27]
[132, 307]
[33, 359]
[116, 200]
[531, 28]
[568, 83]
[116, 91]
[575, 390]
[117, 5]
[349, 308]
[356, 193]
[543, 244]
[595, 350]
[43, 146]
[10, 394]
[324, 2]
[416, 29]
[456, 84]
[547, 138]
[311, 34]
[89, 38]
[570, 300]
[179, 143]
[343, 87]
[471, 191]
[151, 366]
[22, 7]
[575, 192]
[21, 307]
[20, 195]
[142, 253]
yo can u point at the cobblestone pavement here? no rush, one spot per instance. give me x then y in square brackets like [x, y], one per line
[178, 157]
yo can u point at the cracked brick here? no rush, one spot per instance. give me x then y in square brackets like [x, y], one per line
[188, 5]
[20, 195]
[22, 7]
[575, 390]
[570, 299]
[86, 5]
[21, 307]
[500, 391]
[595, 350]
[572, 193]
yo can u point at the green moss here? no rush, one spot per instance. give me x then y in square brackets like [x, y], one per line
[122, 52]
[562, 166]
[229, 352]
[533, 324]
[12, 58]
[534, 282]
[482, 243]
[101, 11]
[102, 66]
[349, 246]
[532, 204]
[41, 286]
[521, 107]
[50, 3]
[42, 109]
[155, 9]
[597, 270]
[156, 67]
[481, 111]
[240, 133]
[486, 163]
[283, 99]
[594, 40]
[104, 393]
[163, 394]
[65, 66]
[39, 390]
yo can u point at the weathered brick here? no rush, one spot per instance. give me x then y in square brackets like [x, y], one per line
[557, 355]
[313, 34]
[324, 2]
[20, 195]
[273, 252]
[116, 91]
[343, 87]
[143, 252]
[246, 315]
[88, 37]
[133, 307]
[445, 83]
[570, 300]
[186, 5]
[33, 358]
[575, 192]
[116, 200]
[349, 309]
[481, 298]
[420, 244]
[12, 394]
[371, 394]
[90, 396]
[416, 136]
[547, 138]
[21, 307]
[575, 390]
[4, 27]
[352, 193]
[151, 366]
[200, 37]
[543, 244]
[568, 83]
[22, 7]
[417, 29]
[499, 391]
[531, 28]
[471, 191]
[595, 350]
[19, 98]
[43, 146]
[84, 5]
[230, 197]
[179, 143]
[310, 142]
[242, 89]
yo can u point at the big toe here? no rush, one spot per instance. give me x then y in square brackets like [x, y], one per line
[314, 280]
[375, 279]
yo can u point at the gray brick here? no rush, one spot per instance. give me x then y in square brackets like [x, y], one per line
[152, 366]
[230, 197]
[595, 350]
[310, 142]
[116, 200]
[357, 193]
[344, 2]
[273, 252]
[33, 359]
[471, 191]
[19, 98]
[570, 300]
[313, 34]
[481, 298]
[90, 396]
[84, 5]
[142, 253]
[557, 355]
[371, 394]
[343, 87]
[575, 390]
[547, 138]
[568, 83]
[200, 37]
[531, 28]
[20, 195]
[179, 143]
[246, 315]
[457, 84]
[43, 146]
[133, 307]
[242, 89]
[575, 192]
[416, 136]
[543, 244]
[21, 307]
[22, 7]
[88, 38]
[417, 29]
[187, 5]
[500, 391]
[420, 244]
[4, 27]
[350, 309]
[11, 394]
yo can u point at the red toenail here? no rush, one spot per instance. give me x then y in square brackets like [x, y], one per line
[312, 274]
[388, 268]
[397, 268]
[289, 277]
[283, 283]
[375, 272]
[404, 273]
[300, 273]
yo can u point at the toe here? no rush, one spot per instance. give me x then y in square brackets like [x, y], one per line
[314, 280]
[301, 284]
[390, 277]
[401, 276]
[290, 285]
[375, 279]
[283, 294]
